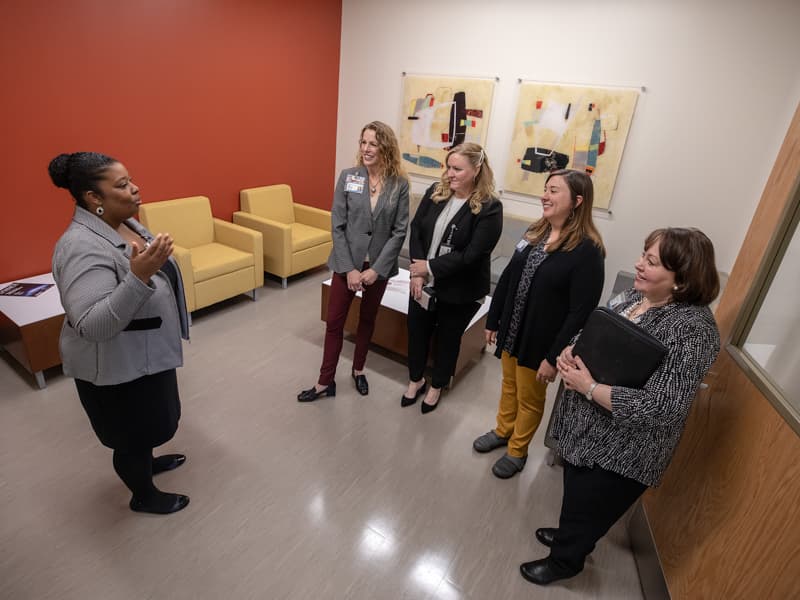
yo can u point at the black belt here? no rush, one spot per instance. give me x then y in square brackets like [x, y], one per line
[144, 324]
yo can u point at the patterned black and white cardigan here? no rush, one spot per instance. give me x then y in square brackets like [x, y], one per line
[638, 438]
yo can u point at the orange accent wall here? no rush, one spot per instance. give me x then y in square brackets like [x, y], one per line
[196, 97]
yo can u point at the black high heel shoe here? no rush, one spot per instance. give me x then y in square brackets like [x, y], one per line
[426, 408]
[312, 394]
[361, 383]
[406, 401]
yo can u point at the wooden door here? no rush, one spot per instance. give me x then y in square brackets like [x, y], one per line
[726, 520]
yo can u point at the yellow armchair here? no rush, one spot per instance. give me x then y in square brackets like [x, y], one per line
[296, 237]
[217, 259]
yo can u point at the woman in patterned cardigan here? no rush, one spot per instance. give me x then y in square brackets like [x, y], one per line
[617, 441]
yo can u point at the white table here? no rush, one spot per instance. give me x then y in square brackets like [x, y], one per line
[391, 330]
[30, 327]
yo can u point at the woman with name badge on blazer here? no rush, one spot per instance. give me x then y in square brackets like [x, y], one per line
[125, 316]
[544, 296]
[453, 233]
[369, 219]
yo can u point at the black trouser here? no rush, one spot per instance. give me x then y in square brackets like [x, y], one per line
[448, 322]
[135, 468]
[594, 499]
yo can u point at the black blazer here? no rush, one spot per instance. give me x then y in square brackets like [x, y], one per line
[463, 275]
[565, 289]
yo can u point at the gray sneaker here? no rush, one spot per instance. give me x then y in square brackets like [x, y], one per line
[508, 466]
[488, 442]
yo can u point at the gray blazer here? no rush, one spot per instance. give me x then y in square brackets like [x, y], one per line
[117, 328]
[357, 231]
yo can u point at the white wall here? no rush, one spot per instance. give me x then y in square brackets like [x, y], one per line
[722, 82]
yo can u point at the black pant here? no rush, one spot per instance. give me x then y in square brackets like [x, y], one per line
[594, 499]
[448, 322]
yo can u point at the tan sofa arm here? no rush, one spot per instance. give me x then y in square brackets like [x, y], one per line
[244, 239]
[313, 217]
[184, 259]
[277, 238]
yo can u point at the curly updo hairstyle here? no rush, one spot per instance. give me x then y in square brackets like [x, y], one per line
[79, 172]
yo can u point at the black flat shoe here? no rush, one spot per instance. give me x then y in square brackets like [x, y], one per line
[406, 401]
[426, 408]
[546, 535]
[173, 503]
[168, 462]
[312, 394]
[544, 571]
[361, 383]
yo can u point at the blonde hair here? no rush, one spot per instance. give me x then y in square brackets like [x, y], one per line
[389, 155]
[579, 225]
[484, 179]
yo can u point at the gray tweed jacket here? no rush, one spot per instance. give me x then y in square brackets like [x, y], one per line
[359, 232]
[117, 328]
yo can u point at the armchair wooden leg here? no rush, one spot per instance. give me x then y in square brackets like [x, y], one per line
[284, 283]
[252, 294]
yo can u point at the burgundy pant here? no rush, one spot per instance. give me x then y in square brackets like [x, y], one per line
[338, 306]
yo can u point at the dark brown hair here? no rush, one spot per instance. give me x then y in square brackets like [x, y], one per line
[689, 254]
[580, 224]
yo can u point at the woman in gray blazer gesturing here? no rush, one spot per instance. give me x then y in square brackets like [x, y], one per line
[125, 316]
[369, 220]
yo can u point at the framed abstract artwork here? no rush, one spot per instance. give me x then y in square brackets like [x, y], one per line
[560, 126]
[439, 113]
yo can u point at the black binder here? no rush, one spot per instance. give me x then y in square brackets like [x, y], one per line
[617, 351]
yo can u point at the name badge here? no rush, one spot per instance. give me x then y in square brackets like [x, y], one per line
[522, 244]
[354, 183]
[444, 249]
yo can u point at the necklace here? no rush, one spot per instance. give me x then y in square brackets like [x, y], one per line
[374, 186]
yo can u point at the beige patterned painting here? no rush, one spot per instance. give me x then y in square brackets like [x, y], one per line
[573, 127]
[439, 113]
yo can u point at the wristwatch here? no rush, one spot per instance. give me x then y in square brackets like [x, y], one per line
[591, 389]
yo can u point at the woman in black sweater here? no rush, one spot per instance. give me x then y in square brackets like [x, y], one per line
[544, 296]
[452, 236]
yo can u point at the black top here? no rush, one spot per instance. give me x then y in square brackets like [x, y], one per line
[463, 275]
[565, 289]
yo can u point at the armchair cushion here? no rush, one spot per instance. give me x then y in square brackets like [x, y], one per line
[212, 260]
[304, 237]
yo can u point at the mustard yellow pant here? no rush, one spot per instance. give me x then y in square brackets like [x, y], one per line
[521, 405]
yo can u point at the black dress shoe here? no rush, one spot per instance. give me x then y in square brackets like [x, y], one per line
[168, 462]
[312, 394]
[361, 383]
[172, 503]
[546, 535]
[544, 571]
[406, 401]
[426, 408]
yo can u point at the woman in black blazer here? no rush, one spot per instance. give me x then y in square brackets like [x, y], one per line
[452, 236]
[544, 296]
